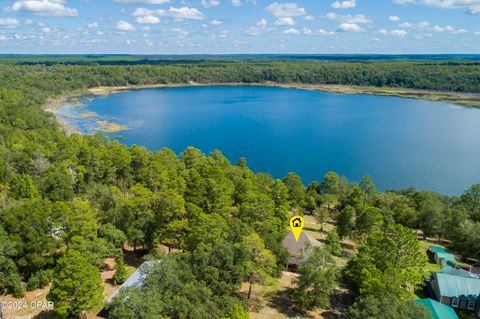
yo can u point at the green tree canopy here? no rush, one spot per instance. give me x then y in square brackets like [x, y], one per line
[317, 281]
[371, 307]
[389, 262]
[76, 287]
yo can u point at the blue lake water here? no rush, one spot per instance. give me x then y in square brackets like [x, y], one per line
[398, 142]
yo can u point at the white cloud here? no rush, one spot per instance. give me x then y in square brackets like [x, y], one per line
[253, 31]
[215, 22]
[141, 12]
[439, 29]
[262, 23]
[348, 4]
[449, 29]
[124, 26]
[236, 3]
[323, 32]
[285, 21]
[405, 25]
[474, 9]
[424, 24]
[350, 27]
[9, 22]
[403, 1]
[309, 18]
[477, 33]
[46, 30]
[148, 19]
[291, 31]
[460, 31]
[359, 18]
[143, 1]
[290, 9]
[307, 31]
[399, 33]
[185, 13]
[382, 31]
[45, 8]
[3, 38]
[394, 18]
[471, 6]
[210, 3]
[92, 25]
[181, 34]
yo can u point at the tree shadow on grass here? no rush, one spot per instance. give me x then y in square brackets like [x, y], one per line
[283, 303]
[47, 315]
[134, 259]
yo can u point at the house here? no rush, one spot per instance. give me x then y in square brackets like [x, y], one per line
[298, 250]
[456, 291]
[136, 279]
[438, 310]
[440, 255]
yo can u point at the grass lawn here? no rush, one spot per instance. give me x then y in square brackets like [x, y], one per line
[312, 228]
[271, 301]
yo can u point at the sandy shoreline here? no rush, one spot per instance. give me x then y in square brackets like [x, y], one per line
[54, 104]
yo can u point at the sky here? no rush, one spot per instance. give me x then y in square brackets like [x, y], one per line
[239, 26]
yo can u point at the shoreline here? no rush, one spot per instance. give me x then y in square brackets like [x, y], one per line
[56, 103]
[458, 98]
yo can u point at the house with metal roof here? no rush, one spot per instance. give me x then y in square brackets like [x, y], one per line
[456, 291]
[298, 250]
[441, 256]
[136, 279]
[438, 310]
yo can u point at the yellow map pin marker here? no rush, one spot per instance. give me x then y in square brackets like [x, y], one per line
[296, 224]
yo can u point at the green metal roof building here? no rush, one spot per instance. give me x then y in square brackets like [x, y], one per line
[441, 256]
[457, 291]
[438, 310]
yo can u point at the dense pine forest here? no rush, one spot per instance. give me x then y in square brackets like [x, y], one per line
[68, 202]
[58, 74]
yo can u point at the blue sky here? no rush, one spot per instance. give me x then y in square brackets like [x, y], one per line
[239, 26]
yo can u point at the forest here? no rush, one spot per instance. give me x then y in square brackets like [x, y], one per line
[68, 202]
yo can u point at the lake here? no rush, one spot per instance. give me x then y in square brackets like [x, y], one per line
[398, 142]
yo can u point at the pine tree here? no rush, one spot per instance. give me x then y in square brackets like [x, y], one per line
[77, 286]
[120, 272]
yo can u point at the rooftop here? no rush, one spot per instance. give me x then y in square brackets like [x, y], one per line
[297, 249]
[442, 253]
[459, 272]
[438, 310]
[458, 286]
[136, 279]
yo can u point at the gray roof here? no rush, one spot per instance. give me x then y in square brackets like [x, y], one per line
[459, 272]
[136, 279]
[298, 250]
